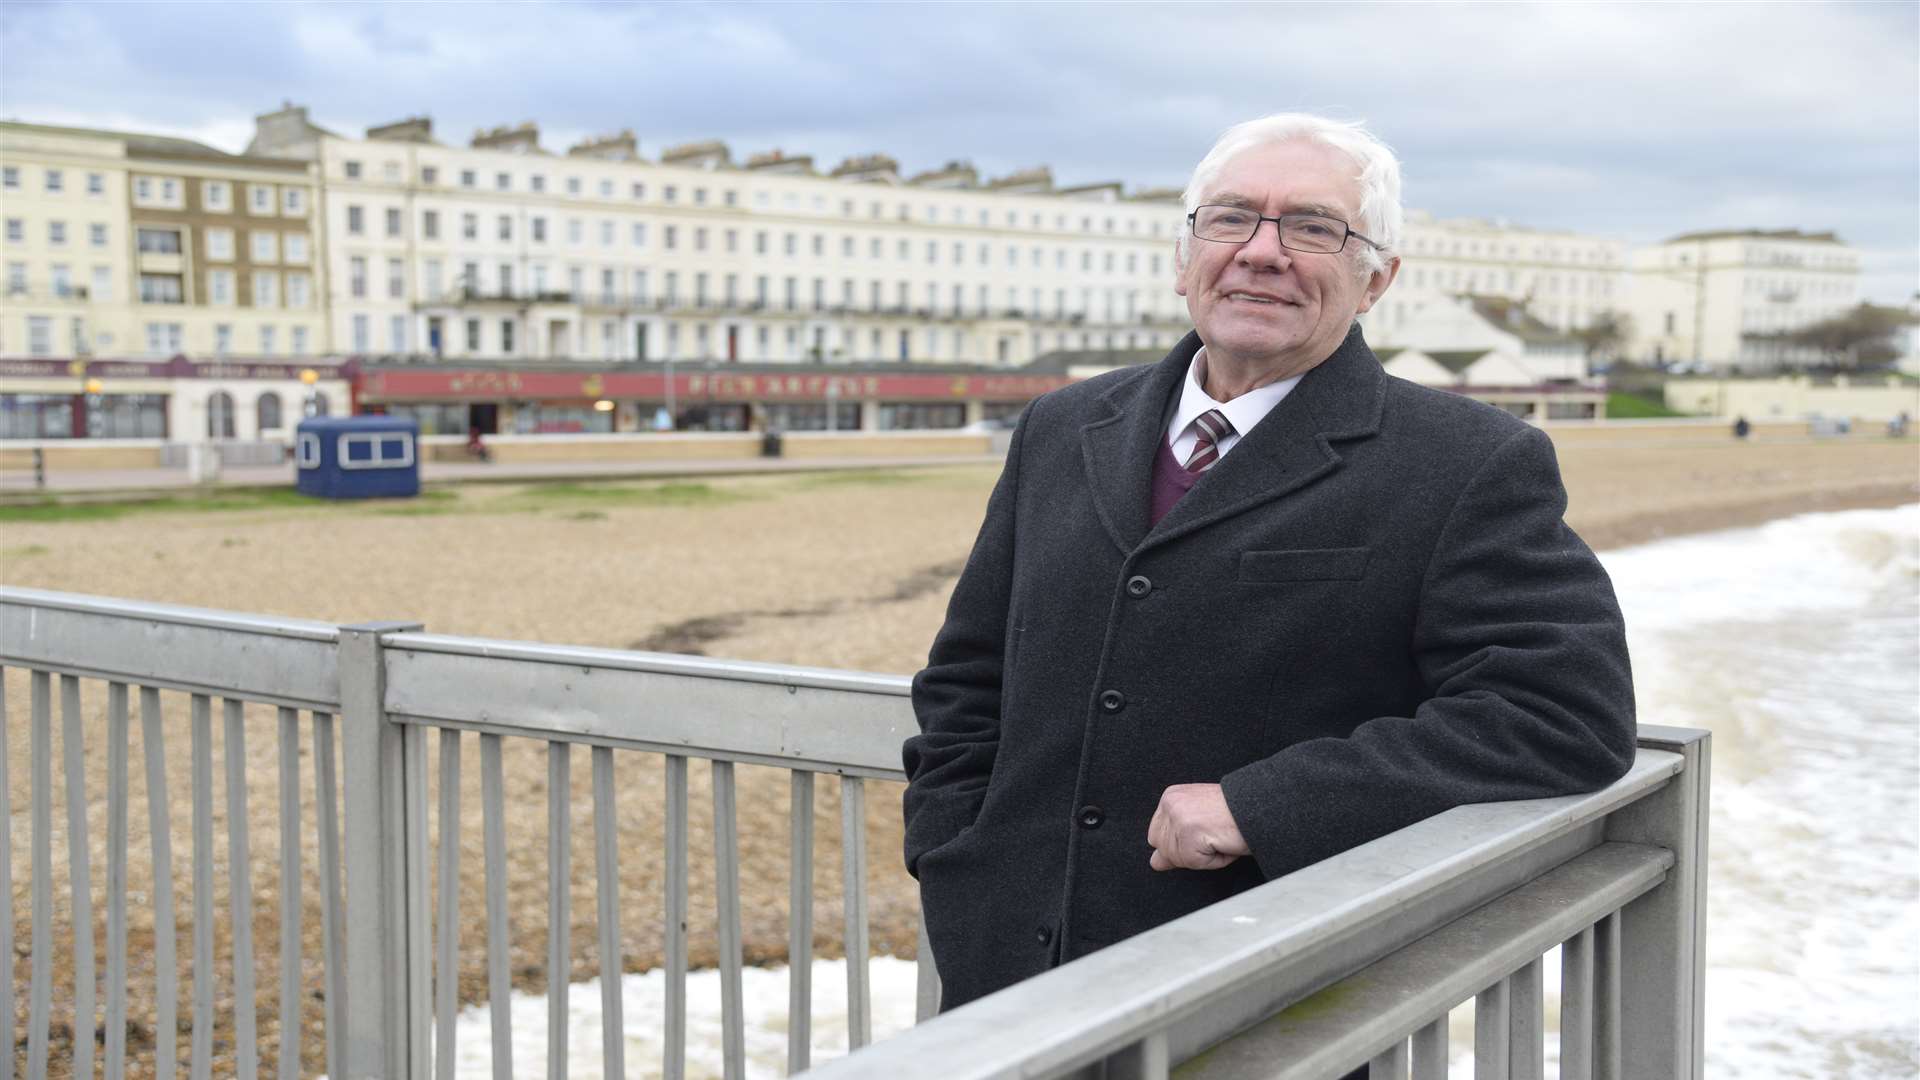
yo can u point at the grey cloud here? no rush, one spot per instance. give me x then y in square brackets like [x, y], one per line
[1630, 120]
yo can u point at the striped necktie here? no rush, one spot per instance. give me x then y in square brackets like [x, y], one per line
[1211, 426]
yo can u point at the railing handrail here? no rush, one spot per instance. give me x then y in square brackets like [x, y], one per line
[1291, 936]
[754, 671]
[171, 614]
[795, 717]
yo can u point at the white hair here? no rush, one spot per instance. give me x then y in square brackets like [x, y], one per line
[1381, 215]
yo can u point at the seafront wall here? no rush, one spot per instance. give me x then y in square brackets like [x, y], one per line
[70, 454]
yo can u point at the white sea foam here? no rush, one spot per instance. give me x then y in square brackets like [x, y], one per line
[1798, 645]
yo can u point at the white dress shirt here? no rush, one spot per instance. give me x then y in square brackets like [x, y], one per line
[1242, 412]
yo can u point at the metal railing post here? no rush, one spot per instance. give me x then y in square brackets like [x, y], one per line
[378, 1021]
[1663, 934]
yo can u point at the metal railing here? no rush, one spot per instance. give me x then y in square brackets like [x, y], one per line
[1335, 966]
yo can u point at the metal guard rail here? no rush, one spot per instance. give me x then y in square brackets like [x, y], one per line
[1334, 966]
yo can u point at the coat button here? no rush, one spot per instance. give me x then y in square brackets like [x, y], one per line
[1138, 586]
[1044, 935]
[1091, 817]
[1112, 700]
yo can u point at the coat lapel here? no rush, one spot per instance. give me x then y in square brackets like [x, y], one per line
[1119, 449]
[1291, 447]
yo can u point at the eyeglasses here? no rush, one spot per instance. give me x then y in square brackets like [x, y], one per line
[1314, 233]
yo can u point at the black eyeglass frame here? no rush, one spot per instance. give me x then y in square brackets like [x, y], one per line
[1280, 228]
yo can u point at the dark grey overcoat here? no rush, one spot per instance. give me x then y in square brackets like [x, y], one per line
[1368, 612]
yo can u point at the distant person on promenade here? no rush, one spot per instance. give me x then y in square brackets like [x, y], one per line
[1242, 609]
[1741, 429]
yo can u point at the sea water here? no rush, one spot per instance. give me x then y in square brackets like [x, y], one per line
[1798, 645]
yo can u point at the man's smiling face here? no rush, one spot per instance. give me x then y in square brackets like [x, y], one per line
[1263, 307]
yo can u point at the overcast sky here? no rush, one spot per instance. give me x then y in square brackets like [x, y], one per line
[1634, 121]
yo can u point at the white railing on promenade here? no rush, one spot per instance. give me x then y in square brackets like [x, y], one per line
[1354, 961]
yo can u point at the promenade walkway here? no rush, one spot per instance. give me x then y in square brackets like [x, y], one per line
[113, 482]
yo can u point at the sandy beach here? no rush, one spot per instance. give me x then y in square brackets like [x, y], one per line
[847, 570]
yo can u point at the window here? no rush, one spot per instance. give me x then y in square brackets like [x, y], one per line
[639, 190]
[506, 337]
[97, 235]
[539, 230]
[537, 182]
[573, 230]
[39, 335]
[10, 177]
[397, 333]
[266, 289]
[393, 221]
[266, 412]
[468, 178]
[356, 221]
[470, 226]
[639, 234]
[606, 189]
[430, 224]
[293, 200]
[260, 198]
[56, 181]
[503, 181]
[473, 335]
[573, 185]
[61, 276]
[294, 248]
[16, 278]
[158, 241]
[57, 235]
[396, 279]
[299, 290]
[216, 195]
[669, 193]
[220, 244]
[390, 171]
[268, 342]
[219, 407]
[429, 174]
[670, 237]
[506, 226]
[222, 339]
[102, 288]
[16, 230]
[265, 246]
[357, 276]
[300, 344]
[353, 169]
[433, 271]
[362, 336]
[164, 339]
[220, 287]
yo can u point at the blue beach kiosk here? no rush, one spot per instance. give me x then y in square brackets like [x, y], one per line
[357, 457]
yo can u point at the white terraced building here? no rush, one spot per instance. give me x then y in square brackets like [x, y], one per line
[504, 250]
[1720, 297]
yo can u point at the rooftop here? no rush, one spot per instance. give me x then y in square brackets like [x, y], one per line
[1756, 234]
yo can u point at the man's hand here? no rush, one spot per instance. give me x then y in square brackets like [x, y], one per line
[1192, 829]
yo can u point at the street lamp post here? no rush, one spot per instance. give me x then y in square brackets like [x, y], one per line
[310, 405]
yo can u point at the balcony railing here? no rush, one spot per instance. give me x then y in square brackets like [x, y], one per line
[1352, 961]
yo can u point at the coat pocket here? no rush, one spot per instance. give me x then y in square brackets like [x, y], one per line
[1322, 564]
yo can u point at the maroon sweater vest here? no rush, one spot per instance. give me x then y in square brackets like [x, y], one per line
[1170, 481]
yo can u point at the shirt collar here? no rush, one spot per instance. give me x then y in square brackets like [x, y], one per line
[1242, 412]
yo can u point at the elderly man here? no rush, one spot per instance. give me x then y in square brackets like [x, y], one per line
[1247, 607]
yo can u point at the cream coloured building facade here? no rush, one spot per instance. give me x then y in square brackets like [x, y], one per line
[1713, 297]
[1566, 279]
[143, 246]
[504, 250]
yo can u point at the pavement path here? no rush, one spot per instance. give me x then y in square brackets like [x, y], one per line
[109, 482]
